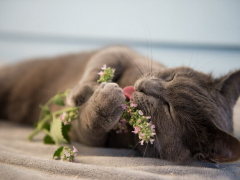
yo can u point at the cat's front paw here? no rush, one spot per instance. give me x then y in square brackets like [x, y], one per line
[106, 102]
[108, 97]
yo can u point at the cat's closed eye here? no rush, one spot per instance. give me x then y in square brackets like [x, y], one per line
[169, 78]
[168, 107]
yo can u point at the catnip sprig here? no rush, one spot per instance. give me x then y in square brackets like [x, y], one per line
[54, 123]
[68, 116]
[141, 124]
[121, 127]
[107, 74]
[65, 154]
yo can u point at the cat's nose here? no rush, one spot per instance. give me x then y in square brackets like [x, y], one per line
[150, 86]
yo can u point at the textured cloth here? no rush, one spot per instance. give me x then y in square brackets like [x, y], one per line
[23, 160]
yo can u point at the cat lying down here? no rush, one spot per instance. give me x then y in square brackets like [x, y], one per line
[192, 111]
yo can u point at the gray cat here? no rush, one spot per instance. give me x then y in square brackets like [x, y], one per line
[191, 110]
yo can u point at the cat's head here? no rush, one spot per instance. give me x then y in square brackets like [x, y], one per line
[192, 113]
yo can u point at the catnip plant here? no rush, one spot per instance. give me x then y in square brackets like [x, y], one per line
[131, 115]
[141, 124]
[56, 125]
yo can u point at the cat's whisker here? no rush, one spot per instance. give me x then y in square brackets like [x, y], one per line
[194, 126]
[138, 69]
[156, 139]
[151, 57]
[207, 63]
[146, 35]
[145, 150]
[136, 73]
[133, 148]
[198, 62]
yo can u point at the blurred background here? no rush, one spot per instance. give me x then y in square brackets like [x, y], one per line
[202, 34]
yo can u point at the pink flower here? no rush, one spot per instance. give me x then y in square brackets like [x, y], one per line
[153, 127]
[139, 120]
[66, 153]
[104, 67]
[65, 123]
[136, 130]
[153, 134]
[142, 135]
[151, 141]
[75, 149]
[123, 121]
[148, 117]
[62, 117]
[141, 142]
[133, 105]
[124, 106]
[101, 73]
[140, 112]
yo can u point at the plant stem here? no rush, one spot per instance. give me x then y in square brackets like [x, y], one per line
[64, 110]
[47, 132]
[42, 111]
[39, 127]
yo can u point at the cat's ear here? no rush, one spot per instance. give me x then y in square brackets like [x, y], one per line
[221, 146]
[229, 86]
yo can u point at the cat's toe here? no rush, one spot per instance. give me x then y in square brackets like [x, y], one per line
[80, 94]
[110, 93]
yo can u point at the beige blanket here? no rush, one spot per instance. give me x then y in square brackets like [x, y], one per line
[23, 160]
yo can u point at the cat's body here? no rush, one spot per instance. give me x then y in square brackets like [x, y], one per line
[192, 111]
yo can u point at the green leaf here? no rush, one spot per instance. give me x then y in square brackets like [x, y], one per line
[58, 152]
[56, 131]
[58, 99]
[47, 126]
[65, 131]
[48, 140]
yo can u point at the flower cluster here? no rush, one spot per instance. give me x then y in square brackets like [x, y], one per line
[121, 127]
[67, 117]
[141, 124]
[107, 74]
[68, 154]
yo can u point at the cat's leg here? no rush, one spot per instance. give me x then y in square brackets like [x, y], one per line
[99, 114]
[100, 104]
[112, 57]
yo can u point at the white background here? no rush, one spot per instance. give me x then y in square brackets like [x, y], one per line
[203, 34]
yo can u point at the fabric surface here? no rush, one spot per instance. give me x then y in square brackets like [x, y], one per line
[21, 159]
